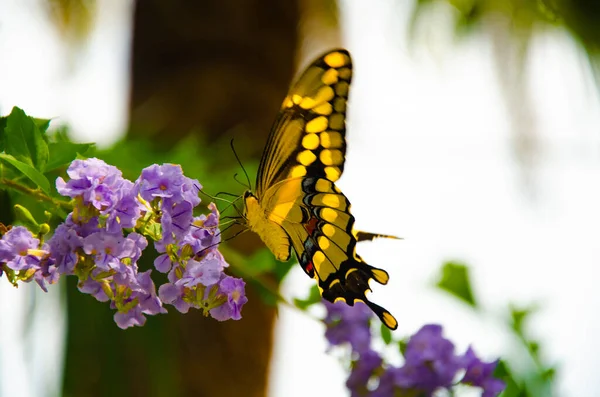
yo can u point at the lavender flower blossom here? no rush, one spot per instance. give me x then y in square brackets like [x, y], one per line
[234, 290]
[479, 373]
[19, 250]
[348, 324]
[95, 244]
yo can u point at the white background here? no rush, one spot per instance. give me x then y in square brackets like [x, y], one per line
[431, 158]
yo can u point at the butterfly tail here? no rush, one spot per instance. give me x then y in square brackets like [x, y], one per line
[386, 317]
[366, 236]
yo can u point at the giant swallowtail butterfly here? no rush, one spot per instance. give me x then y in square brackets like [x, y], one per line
[297, 204]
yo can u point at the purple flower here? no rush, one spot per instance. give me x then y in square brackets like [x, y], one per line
[19, 249]
[143, 297]
[173, 295]
[161, 181]
[348, 324]
[207, 272]
[362, 371]
[132, 247]
[430, 361]
[479, 373]
[96, 182]
[106, 248]
[132, 317]
[94, 288]
[126, 211]
[204, 232]
[386, 386]
[47, 273]
[234, 290]
[190, 189]
[84, 229]
[63, 246]
[176, 220]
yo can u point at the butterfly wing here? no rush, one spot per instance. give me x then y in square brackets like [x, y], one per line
[308, 136]
[303, 158]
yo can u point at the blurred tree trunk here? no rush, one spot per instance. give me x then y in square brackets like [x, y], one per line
[197, 67]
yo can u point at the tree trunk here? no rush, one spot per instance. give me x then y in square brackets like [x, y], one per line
[197, 67]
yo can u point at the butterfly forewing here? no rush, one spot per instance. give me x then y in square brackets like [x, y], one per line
[309, 134]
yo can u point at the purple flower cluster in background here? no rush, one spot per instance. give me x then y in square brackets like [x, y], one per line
[430, 362]
[103, 238]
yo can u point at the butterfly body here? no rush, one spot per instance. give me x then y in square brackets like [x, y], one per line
[296, 204]
[270, 232]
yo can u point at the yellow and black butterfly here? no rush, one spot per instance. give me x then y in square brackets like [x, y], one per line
[296, 203]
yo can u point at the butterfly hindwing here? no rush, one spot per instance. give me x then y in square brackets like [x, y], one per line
[297, 204]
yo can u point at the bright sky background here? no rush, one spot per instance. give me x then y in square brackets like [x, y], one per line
[430, 158]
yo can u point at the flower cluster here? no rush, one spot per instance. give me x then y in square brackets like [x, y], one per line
[103, 238]
[430, 362]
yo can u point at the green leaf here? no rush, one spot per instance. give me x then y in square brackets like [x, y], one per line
[24, 140]
[402, 343]
[314, 296]
[386, 334]
[63, 153]
[518, 318]
[455, 279]
[34, 175]
[514, 388]
[42, 124]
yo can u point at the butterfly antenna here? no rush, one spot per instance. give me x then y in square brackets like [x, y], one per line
[241, 165]
[216, 196]
[227, 194]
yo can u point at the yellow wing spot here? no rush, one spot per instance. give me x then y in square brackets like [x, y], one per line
[333, 173]
[380, 276]
[331, 200]
[310, 141]
[334, 282]
[317, 124]
[324, 243]
[323, 185]
[328, 230]
[345, 73]
[389, 320]
[306, 157]
[336, 59]
[325, 94]
[296, 99]
[318, 258]
[325, 109]
[336, 121]
[341, 88]
[331, 157]
[339, 299]
[330, 77]
[298, 171]
[350, 272]
[330, 216]
[339, 104]
[307, 103]
[288, 103]
[331, 139]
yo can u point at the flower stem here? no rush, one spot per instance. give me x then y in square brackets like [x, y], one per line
[35, 193]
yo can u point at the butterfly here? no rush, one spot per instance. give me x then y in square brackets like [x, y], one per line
[296, 204]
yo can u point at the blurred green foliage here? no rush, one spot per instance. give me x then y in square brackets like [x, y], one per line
[536, 379]
[523, 18]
